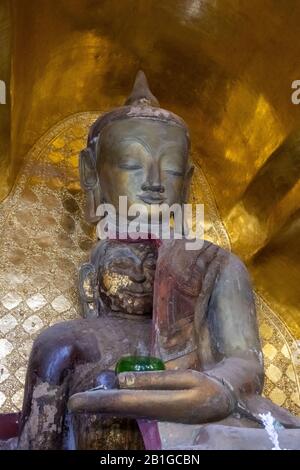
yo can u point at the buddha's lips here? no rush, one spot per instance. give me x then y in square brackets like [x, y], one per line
[137, 294]
[151, 198]
[132, 303]
[130, 293]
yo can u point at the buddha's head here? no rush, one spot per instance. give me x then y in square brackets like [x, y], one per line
[141, 151]
[125, 276]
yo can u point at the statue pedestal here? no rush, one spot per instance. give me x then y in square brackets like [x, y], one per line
[220, 437]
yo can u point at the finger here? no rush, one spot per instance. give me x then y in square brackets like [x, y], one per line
[136, 404]
[161, 380]
[185, 406]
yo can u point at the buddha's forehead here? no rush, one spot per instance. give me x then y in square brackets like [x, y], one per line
[152, 133]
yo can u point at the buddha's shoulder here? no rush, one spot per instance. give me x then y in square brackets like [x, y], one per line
[213, 250]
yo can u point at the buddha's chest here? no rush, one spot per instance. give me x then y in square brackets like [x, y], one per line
[118, 336]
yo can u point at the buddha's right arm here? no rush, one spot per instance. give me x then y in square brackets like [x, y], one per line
[230, 332]
[184, 396]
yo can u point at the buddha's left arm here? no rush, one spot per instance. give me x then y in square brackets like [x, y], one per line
[232, 331]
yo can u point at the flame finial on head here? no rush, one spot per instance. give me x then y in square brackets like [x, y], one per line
[141, 104]
[141, 93]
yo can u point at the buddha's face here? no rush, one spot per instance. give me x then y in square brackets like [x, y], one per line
[144, 160]
[126, 276]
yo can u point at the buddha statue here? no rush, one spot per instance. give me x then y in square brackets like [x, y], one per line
[193, 309]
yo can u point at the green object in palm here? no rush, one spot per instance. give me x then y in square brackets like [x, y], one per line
[139, 364]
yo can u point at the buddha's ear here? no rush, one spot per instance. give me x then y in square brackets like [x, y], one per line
[187, 182]
[88, 290]
[90, 183]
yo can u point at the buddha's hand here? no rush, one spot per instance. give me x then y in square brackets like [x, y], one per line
[175, 395]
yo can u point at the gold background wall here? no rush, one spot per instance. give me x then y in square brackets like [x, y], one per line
[5, 66]
[226, 66]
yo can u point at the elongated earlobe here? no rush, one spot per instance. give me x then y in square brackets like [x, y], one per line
[89, 298]
[90, 183]
[186, 184]
[87, 169]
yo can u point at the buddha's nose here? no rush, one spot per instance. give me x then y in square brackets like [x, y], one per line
[153, 181]
[137, 275]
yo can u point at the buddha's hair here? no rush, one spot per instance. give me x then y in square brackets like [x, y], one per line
[138, 111]
[141, 104]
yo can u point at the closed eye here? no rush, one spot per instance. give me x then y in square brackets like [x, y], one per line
[174, 172]
[122, 263]
[130, 166]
